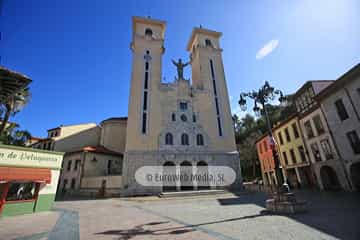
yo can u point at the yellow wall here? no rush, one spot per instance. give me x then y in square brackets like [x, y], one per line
[113, 135]
[162, 100]
[205, 99]
[293, 144]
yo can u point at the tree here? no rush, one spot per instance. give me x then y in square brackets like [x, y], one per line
[12, 105]
[244, 127]
[248, 156]
[13, 136]
[246, 135]
[249, 129]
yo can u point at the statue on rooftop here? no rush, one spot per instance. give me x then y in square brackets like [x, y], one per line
[180, 68]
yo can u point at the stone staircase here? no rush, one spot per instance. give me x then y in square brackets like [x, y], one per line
[191, 193]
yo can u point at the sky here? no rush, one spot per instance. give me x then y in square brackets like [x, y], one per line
[77, 52]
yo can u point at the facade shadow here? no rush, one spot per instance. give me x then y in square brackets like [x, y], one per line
[247, 198]
[140, 229]
[334, 213]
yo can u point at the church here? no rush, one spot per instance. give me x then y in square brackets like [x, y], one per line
[183, 123]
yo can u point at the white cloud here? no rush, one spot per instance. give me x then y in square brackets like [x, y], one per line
[267, 49]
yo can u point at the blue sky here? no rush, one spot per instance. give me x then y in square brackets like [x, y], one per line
[77, 52]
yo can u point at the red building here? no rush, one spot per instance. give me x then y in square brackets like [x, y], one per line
[266, 158]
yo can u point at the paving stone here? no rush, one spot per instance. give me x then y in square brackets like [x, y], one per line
[225, 216]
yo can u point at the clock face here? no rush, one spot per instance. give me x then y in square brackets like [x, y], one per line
[183, 118]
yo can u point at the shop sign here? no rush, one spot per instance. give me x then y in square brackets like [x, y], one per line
[19, 156]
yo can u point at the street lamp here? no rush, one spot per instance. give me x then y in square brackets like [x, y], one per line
[282, 200]
[242, 103]
[257, 110]
[263, 96]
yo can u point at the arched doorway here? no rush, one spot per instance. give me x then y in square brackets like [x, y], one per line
[355, 175]
[202, 172]
[306, 177]
[292, 178]
[169, 184]
[329, 179]
[185, 176]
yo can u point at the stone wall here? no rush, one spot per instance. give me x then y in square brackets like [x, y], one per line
[91, 186]
[135, 160]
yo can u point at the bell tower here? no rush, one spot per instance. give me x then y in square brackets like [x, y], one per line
[147, 49]
[177, 123]
[208, 76]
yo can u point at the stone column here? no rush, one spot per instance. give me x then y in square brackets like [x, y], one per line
[269, 178]
[275, 177]
[298, 176]
[283, 170]
[178, 182]
[195, 186]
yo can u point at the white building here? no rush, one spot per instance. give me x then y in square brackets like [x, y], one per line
[325, 160]
[340, 103]
[93, 157]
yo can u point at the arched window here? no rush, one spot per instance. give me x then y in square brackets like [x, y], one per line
[173, 117]
[148, 32]
[169, 139]
[208, 43]
[183, 118]
[199, 140]
[194, 117]
[184, 139]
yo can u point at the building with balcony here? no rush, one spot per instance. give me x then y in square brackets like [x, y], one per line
[292, 152]
[340, 104]
[326, 163]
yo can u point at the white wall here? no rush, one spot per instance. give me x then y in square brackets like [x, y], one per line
[78, 140]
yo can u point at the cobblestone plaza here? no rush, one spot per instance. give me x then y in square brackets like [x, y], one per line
[223, 216]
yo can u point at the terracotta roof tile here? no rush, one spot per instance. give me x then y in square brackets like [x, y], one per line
[98, 149]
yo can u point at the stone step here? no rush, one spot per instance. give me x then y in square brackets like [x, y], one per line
[191, 193]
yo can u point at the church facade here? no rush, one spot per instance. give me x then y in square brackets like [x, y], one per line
[183, 123]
